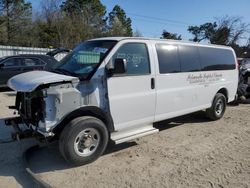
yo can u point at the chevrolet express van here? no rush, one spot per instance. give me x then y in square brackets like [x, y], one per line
[117, 88]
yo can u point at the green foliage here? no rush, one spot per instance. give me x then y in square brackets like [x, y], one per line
[67, 22]
[119, 24]
[15, 21]
[60, 23]
[168, 35]
[202, 32]
[226, 31]
[47, 34]
[220, 36]
[90, 13]
[82, 6]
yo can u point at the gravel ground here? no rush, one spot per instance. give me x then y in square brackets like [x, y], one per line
[189, 151]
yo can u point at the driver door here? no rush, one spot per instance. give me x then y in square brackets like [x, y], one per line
[132, 94]
[10, 68]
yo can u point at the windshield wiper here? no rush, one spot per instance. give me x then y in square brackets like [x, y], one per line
[64, 71]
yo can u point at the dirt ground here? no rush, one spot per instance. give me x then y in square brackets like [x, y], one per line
[189, 151]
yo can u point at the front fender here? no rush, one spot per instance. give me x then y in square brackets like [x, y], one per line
[86, 111]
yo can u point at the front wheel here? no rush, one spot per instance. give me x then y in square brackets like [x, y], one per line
[83, 140]
[217, 110]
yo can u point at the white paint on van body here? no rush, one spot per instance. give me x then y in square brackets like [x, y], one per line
[134, 104]
[131, 99]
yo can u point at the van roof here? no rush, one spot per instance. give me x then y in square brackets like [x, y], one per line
[161, 40]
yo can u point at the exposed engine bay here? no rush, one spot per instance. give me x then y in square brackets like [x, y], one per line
[31, 106]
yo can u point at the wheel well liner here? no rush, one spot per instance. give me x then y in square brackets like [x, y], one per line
[86, 111]
[224, 92]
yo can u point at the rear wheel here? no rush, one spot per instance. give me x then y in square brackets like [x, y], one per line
[83, 140]
[217, 110]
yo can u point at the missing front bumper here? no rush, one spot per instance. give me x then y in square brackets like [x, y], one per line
[18, 132]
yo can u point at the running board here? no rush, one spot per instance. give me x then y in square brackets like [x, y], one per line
[127, 135]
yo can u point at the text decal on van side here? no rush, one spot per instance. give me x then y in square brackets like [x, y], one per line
[204, 77]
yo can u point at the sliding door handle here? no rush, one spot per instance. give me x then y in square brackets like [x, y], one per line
[152, 83]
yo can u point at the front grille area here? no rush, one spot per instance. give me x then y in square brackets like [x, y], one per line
[31, 106]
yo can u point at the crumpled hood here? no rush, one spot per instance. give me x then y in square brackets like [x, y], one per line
[29, 81]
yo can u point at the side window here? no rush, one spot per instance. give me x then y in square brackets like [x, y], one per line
[32, 62]
[168, 58]
[11, 62]
[41, 62]
[137, 58]
[216, 59]
[189, 57]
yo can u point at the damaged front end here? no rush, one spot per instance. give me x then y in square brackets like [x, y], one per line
[30, 107]
[39, 102]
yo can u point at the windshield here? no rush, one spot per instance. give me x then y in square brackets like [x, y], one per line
[85, 58]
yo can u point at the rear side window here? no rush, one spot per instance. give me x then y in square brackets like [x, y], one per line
[136, 55]
[32, 62]
[216, 59]
[168, 58]
[189, 58]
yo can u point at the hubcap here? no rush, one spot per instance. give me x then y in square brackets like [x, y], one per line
[86, 142]
[219, 106]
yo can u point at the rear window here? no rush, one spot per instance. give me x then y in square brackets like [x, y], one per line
[184, 58]
[216, 59]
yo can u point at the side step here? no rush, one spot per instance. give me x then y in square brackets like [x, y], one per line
[130, 134]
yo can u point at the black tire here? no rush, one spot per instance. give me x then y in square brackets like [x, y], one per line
[72, 143]
[217, 110]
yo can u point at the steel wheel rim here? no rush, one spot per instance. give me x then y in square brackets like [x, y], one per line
[219, 107]
[86, 142]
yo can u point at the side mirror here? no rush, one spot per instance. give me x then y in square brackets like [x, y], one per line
[119, 66]
[1, 65]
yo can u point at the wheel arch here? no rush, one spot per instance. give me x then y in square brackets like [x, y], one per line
[223, 91]
[86, 111]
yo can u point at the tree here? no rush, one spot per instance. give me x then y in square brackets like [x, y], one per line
[117, 28]
[92, 11]
[87, 17]
[45, 23]
[118, 21]
[202, 32]
[79, 6]
[226, 31]
[16, 18]
[236, 28]
[50, 10]
[168, 35]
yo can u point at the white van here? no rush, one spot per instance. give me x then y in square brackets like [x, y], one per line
[117, 88]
